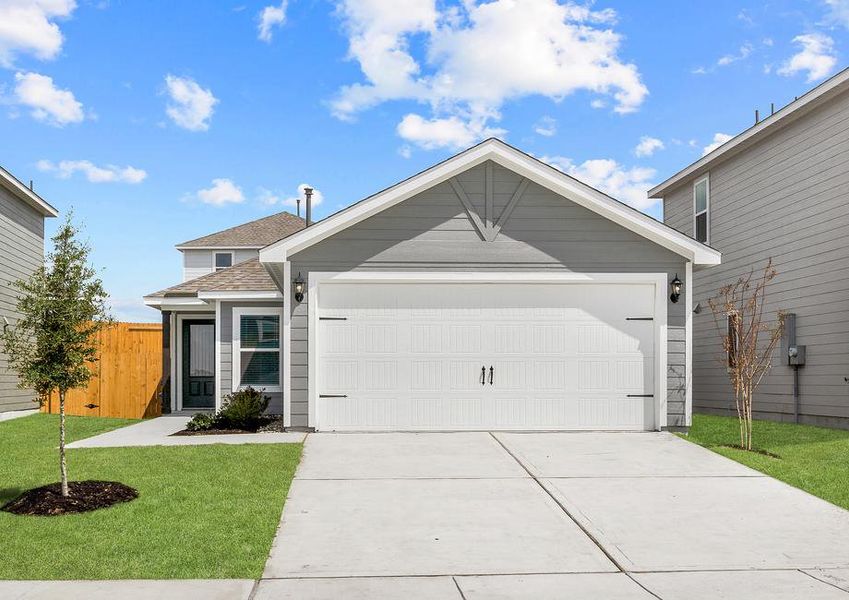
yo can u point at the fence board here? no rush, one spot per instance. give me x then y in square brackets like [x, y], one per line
[126, 380]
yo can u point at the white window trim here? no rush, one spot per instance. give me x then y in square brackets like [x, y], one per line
[238, 313]
[706, 211]
[215, 254]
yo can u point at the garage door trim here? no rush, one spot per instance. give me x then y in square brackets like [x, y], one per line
[318, 279]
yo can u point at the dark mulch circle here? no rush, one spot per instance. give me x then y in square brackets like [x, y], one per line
[755, 450]
[83, 496]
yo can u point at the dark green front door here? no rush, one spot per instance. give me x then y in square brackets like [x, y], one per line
[199, 364]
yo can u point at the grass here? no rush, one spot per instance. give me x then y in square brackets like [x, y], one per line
[202, 512]
[814, 459]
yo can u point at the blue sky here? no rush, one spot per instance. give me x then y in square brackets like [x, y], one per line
[160, 122]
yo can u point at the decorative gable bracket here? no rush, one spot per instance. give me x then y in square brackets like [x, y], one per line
[488, 227]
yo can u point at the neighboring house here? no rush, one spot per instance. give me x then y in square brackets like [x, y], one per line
[490, 291]
[22, 214]
[778, 190]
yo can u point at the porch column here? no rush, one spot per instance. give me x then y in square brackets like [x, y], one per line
[165, 393]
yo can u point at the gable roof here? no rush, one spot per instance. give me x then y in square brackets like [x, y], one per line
[17, 188]
[249, 275]
[253, 234]
[782, 118]
[509, 157]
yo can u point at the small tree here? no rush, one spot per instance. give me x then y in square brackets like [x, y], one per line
[62, 307]
[748, 341]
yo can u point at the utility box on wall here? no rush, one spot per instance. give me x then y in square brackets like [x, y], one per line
[793, 353]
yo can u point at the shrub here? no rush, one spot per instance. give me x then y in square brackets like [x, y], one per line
[242, 409]
[201, 422]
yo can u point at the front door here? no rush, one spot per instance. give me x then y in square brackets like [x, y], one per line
[199, 364]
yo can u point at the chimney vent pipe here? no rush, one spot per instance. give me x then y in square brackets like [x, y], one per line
[308, 195]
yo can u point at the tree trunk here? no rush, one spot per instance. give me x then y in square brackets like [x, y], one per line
[63, 466]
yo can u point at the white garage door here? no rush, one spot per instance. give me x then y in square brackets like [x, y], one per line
[442, 356]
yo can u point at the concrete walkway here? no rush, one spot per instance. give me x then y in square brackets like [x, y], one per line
[157, 432]
[547, 515]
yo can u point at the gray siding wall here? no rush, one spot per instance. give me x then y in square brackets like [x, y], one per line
[200, 262]
[22, 251]
[431, 232]
[785, 198]
[276, 405]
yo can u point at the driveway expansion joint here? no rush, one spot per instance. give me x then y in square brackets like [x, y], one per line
[557, 501]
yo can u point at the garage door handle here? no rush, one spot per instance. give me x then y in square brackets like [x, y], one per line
[491, 372]
[640, 395]
[483, 375]
[333, 395]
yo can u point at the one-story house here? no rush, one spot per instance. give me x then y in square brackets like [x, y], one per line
[490, 291]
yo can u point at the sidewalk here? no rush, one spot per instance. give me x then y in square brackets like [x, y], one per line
[157, 432]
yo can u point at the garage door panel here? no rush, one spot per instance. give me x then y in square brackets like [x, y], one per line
[564, 356]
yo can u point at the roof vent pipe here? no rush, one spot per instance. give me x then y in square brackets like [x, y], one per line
[308, 194]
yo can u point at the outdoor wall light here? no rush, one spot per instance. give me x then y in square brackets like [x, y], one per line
[675, 286]
[298, 284]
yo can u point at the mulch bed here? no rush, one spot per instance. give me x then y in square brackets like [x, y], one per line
[268, 425]
[83, 496]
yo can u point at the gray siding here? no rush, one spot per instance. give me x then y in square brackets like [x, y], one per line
[22, 251]
[785, 198]
[276, 405]
[200, 262]
[431, 232]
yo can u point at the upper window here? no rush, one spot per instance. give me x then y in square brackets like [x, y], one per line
[256, 348]
[701, 210]
[223, 260]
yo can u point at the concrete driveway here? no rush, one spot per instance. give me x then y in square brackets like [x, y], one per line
[547, 515]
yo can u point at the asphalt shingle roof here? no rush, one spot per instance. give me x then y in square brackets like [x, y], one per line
[259, 233]
[248, 275]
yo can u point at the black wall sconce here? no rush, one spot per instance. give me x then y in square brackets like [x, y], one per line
[298, 284]
[675, 286]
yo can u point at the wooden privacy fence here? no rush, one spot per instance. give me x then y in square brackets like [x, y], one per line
[126, 380]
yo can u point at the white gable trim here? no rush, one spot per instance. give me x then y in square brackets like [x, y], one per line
[16, 187]
[511, 158]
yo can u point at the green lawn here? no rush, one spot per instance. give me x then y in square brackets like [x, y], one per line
[202, 511]
[814, 459]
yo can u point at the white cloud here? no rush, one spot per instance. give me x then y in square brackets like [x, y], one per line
[47, 102]
[405, 151]
[628, 185]
[450, 132]
[648, 146]
[269, 18]
[222, 192]
[817, 57]
[270, 198]
[476, 57]
[107, 174]
[838, 12]
[546, 126]
[718, 140]
[27, 27]
[191, 106]
[742, 54]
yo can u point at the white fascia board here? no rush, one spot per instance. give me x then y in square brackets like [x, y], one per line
[279, 251]
[18, 188]
[241, 295]
[160, 302]
[783, 116]
[519, 162]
